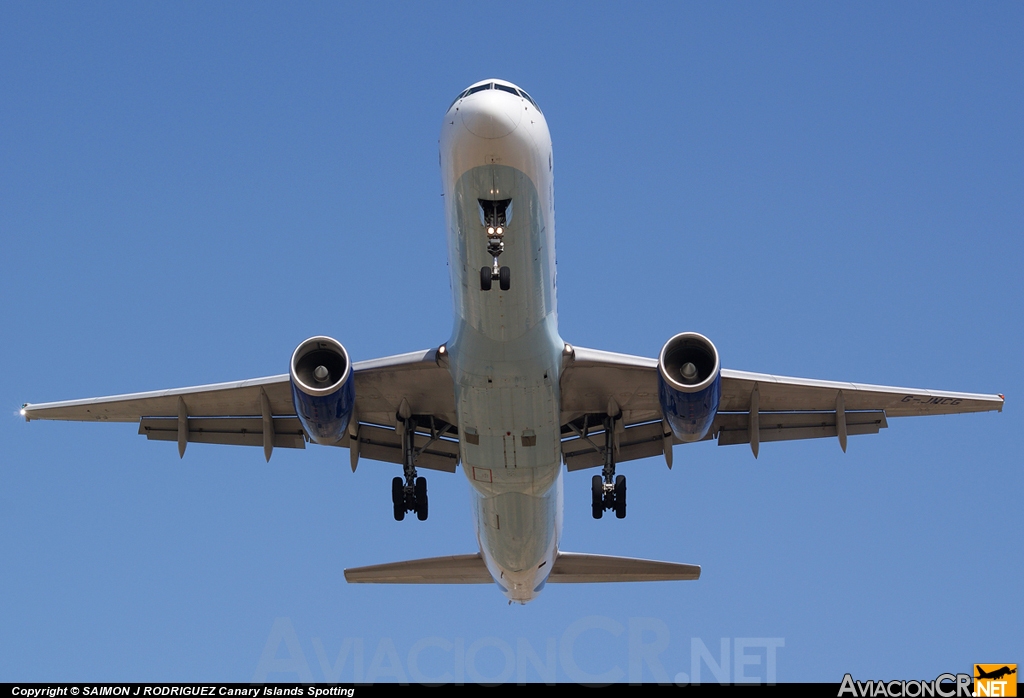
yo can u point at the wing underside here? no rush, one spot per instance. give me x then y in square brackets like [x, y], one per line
[770, 407]
[259, 412]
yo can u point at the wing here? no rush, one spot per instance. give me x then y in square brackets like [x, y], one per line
[769, 407]
[259, 411]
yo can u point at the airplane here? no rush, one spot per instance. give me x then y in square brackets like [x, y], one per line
[506, 397]
[996, 674]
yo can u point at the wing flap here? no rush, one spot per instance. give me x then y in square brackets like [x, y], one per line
[385, 444]
[731, 428]
[375, 442]
[636, 442]
[234, 431]
[585, 568]
[734, 428]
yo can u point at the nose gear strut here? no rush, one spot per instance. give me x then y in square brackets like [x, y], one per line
[496, 215]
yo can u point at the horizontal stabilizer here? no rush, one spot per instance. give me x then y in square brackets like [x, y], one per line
[583, 568]
[450, 569]
[569, 568]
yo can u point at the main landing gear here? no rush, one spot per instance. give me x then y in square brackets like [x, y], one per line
[496, 215]
[409, 499]
[608, 490]
[604, 497]
[410, 493]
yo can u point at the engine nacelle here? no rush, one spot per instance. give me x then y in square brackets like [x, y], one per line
[689, 385]
[323, 391]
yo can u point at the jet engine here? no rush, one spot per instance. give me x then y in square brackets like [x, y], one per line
[689, 385]
[323, 390]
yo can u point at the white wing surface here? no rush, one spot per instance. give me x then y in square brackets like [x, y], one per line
[259, 411]
[774, 408]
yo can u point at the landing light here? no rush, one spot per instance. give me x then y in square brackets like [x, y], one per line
[499, 231]
[22, 410]
[490, 231]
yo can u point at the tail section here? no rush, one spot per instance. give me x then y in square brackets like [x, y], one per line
[584, 568]
[569, 568]
[451, 569]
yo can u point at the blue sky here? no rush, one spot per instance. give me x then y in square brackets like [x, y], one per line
[187, 191]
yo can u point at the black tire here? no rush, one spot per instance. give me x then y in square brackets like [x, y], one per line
[421, 498]
[398, 497]
[597, 496]
[485, 278]
[620, 496]
[505, 278]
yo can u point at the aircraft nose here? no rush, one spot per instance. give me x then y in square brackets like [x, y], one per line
[491, 114]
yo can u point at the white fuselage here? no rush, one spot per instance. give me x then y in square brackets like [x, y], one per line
[505, 352]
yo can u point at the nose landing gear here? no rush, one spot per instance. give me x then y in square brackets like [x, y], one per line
[489, 274]
[495, 215]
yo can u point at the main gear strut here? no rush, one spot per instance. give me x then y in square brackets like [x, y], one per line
[608, 490]
[409, 494]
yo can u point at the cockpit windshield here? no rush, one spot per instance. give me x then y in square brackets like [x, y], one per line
[495, 86]
[529, 99]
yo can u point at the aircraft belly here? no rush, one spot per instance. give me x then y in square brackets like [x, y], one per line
[505, 354]
[496, 314]
[510, 432]
[518, 535]
[511, 454]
